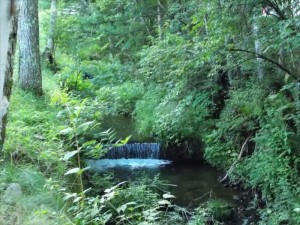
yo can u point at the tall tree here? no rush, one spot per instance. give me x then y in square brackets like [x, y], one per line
[258, 51]
[49, 50]
[161, 10]
[8, 27]
[30, 75]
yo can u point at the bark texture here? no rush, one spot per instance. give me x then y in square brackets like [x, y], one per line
[49, 50]
[30, 76]
[8, 37]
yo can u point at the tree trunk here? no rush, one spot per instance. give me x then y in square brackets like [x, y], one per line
[30, 76]
[205, 18]
[8, 37]
[259, 66]
[229, 60]
[160, 18]
[49, 50]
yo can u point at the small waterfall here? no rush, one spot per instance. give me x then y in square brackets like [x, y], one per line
[135, 150]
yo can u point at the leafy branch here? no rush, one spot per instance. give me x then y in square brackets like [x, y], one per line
[283, 68]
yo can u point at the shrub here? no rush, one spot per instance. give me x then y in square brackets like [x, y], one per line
[239, 120]
[120, 99]
[33, 124]
[272, 167]
[127, 203]
[214, 211]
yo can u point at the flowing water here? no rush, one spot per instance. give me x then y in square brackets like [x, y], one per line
[135, 151]
[195, 181]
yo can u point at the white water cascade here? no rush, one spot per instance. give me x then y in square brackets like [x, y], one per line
[130, 156]
[135, 150]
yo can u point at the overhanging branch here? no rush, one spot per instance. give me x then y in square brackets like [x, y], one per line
[265, 58]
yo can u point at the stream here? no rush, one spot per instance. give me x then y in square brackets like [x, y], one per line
[193, 181]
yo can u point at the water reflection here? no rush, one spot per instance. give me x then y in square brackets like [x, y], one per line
[195, 181]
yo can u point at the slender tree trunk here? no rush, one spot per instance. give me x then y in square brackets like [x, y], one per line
[49, 50]
[259, 68]
[111, 46]
[205, 18]
[229, 60]
[8, 37]
[30, 76]
[160, 18]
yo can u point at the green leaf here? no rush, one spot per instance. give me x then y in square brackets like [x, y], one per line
[114, 187]
[69, 195]
[144, 223]
[125, 140]
[164, 202]
[69, 155]
[122, 208]
[74, 170]
[85, 125]
[166, 196]
[88, 143]
[272, 97]
[77, 199]
[66, 131]
[122, 142]
[297, 210]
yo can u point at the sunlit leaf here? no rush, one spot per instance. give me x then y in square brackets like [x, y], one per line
[66, 131]
[77, 199]
[122, 208]
[166, 196]
[74, 170]
[164, 202]
[69, 155]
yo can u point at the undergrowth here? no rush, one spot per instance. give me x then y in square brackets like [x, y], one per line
[31, 159]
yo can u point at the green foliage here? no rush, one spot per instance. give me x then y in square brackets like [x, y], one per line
[219, 209]
[40, 202]
[33, 124]
[120, 99]
[71, 78]
[128, 203]
[144, 113]
[72, 134]
[238, 120]
[275, 160]
[99, 182]
[44, 4]
[214, 211]
[175, 117]
[173, 88]
[111, 72]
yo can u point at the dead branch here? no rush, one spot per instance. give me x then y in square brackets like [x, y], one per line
[243, 149]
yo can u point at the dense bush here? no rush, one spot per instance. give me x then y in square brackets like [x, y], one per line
[139, 202]
[34, 125]
[238, 120]
[275, 160]
[121, 98]
[173, 116]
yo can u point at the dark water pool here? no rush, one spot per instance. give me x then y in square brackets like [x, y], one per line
[195, 181]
